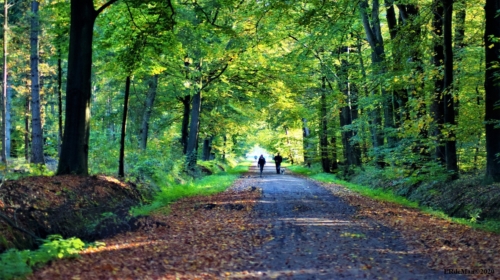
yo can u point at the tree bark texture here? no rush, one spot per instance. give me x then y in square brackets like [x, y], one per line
[492, 89]
[36, 120]
[121, 165]
[148, 108]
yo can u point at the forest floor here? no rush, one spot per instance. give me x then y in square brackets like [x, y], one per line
[286, 227]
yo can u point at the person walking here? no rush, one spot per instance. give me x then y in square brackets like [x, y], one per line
[278, 159]
[261, 163]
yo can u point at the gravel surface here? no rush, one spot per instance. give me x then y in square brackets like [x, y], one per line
[315, 235]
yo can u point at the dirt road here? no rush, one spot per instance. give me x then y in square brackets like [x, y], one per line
[316, 235]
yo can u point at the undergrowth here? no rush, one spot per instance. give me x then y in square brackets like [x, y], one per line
[389, 196]
[17, 264]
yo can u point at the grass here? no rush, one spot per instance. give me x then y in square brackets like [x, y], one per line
[207, 185]
[385, 195]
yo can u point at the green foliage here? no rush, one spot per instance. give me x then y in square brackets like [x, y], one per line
[18, 264]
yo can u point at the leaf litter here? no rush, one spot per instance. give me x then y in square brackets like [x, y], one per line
[212, 237]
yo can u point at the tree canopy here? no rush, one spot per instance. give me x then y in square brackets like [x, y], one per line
[402, 86]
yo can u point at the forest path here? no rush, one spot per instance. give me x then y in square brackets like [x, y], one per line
[293, 229]
[316, 235]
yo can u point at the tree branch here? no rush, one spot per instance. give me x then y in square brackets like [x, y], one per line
[212, 78]
[98, 11]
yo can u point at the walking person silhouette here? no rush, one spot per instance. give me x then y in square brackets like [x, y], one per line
[278, 159]
[261, 163]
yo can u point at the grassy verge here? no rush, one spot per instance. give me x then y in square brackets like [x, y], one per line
[207, 185]
[389, 196]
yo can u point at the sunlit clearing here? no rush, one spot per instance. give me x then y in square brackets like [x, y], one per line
[256, 151]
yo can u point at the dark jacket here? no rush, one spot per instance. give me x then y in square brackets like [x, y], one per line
[261, 161]
[278, 159]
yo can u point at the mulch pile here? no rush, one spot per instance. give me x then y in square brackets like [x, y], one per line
[69, 205]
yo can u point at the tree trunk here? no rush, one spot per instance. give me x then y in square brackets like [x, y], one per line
[492, 90]
[27, 129]
[75, 146]
[374, 37]
[333, 144]
[290, 153]
[224, 149]
[59, 101]
[8, 122]
[449, 104]
[348, 113]
[194, 126]
[121, 165]
[437, 108]
[398, 95]
[148, 108]
[305, 142]
[4, 89]
[186, 104]
[36, 121]
[323, 136]
[207, 148]
[458, 47]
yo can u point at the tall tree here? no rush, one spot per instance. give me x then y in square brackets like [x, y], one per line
[323, 135]
[306, 133]
[5, 133]
[148, 108]
[437, 108]
[186, 109]
[194, 128]
[492, 90]
[36, 120]
[374, 36]
[348, 112]
[448, 102]
[121, 161]
[75, 146]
